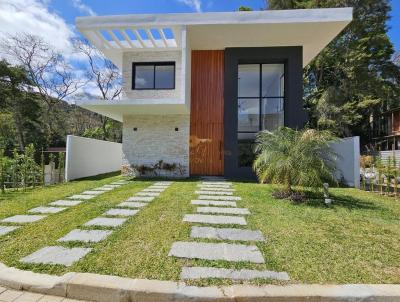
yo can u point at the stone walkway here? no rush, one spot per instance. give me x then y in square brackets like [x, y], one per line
[90, 233]
[10, 295]
[12, 223]
[217, 206]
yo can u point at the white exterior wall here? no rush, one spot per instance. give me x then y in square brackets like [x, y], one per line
[155, 140]
[348, 163]
[89, 157]
[151, 56]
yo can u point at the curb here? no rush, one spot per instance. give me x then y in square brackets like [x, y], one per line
[102, 288]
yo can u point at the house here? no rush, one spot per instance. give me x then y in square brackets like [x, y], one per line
[385, 130]
[197, 87]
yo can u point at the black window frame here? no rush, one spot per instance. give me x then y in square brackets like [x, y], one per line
[260, 99]
[154, 64]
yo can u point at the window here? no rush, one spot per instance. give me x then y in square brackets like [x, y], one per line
[152, 76]
[260, 104]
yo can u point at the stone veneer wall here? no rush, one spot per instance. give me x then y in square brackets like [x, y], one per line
[149, 56]
[155, 139]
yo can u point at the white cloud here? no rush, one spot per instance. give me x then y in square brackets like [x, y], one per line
[83, 7]
[33, 17]
[194, 4]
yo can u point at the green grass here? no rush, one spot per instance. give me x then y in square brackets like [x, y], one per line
[356, 240]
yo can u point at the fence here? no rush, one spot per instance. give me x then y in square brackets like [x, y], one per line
[88, 157]
[29, 168]
[348, 163]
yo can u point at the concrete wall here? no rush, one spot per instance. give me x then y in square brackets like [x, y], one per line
[89, 157]
[155, 139]
[348, 162]
[151, 56]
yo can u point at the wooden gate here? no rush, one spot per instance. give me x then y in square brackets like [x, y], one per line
[207, 113]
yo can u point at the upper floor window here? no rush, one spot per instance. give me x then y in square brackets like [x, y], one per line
[153, 76]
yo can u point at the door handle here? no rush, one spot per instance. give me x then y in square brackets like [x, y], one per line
[220, 150]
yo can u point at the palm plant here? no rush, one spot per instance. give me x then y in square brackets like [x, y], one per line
[295, 158]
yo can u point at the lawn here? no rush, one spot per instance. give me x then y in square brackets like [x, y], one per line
[356, 240]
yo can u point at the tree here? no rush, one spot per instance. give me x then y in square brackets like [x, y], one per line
[48, 71]
[20, 104]
[294, 158]
[354, 76]
[107, 79]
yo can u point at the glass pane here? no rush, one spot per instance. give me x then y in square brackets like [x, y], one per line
[272, 114]
[144, 77]
[273, 80]
[248, 115]
[246, 155]
[249, 80]
[165, 77]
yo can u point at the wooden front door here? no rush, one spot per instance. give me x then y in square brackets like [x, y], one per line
[207, 113]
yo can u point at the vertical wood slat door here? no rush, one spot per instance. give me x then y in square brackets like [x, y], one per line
[207, 113]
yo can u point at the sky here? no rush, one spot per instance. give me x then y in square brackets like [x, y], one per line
[54, 19]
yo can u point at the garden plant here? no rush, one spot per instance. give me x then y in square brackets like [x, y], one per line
[295, 158]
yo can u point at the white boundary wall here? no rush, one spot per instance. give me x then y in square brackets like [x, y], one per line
[89, 157]
[348, 163]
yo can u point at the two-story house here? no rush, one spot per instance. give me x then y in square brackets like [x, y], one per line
[197, 87]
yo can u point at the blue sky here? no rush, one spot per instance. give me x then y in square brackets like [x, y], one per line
[69, 9]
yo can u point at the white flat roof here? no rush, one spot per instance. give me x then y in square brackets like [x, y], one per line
[245, 17]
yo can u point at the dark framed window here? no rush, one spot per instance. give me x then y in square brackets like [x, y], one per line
[153, 76]
[261, 95]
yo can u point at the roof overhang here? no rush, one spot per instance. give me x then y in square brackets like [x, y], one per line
[117, 109]
[311, 28]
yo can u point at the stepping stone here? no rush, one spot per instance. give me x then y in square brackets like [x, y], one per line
[23, 218]
[102, 189]
[85, 236]
[122, 182]
[4, 230]
[132, 204]
[214, 203]
[111, 186]
[153, 190]
[81, 196]
[214, 219]
[213, 193]
[216, 251]
[56, 255]
[47, 210]
[216, 189]
[219, 197]
[66, 203]
[226, 234]
[163, 183]
[224, 273]
[141, 198]
[106, 222]
[216, 210]
[120, 212]
[216, 183]
[215, 186]
[151, 194]
[93, 192]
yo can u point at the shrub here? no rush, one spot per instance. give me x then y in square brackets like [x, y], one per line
[295, 158]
